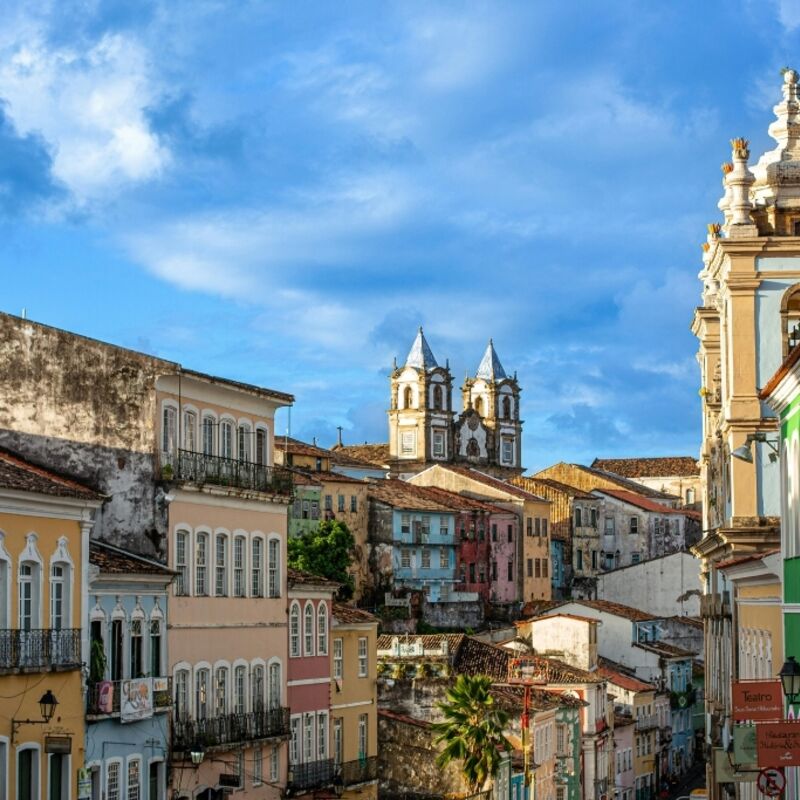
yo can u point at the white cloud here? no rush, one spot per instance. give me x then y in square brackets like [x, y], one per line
[789, 14]
[88, 105]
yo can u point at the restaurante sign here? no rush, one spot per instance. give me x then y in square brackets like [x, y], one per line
[778, 744]
[757, 700]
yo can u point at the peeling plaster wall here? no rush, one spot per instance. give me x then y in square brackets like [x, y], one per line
[87, 409]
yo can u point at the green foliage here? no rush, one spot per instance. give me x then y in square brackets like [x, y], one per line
[97, 661]
[326, 551]
[472, 730]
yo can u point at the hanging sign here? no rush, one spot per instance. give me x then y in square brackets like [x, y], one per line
[744, 745]
[771, 782]
[136, 701]
[757, 700]
[778, 744]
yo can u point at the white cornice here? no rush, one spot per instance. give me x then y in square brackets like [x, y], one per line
[42, 505]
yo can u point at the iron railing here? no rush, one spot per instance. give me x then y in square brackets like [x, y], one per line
[646, 722]
[362, 770]
[311, 774]
[40, 650]
[229, 729]
[186, 465]
[102, 703]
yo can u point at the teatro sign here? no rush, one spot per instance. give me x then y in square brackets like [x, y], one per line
[757, 700]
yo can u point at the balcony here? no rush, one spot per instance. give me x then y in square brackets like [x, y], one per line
[715, 605]
[230, 729]
[98, 707]
[363, 770]
[42, 650]
[310, 775]
[201, 469]
[646, 723]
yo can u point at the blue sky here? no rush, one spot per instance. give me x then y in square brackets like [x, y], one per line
[282, 192]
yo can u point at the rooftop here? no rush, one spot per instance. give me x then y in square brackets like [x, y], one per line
[646, 503]
[562, 616]
[116, 561]
[420, 356]
[532, 484]
[399, 494]
[350, 615]
[490, 368]
[375, 454]
[665, 650]
[496, 483]
[460, 502]
[297, 448]
[612, 477]
[609, 607]
[658, 467]
[22, 475]
[326, 476]
[619, 676]
[297, 577]
[429, 641]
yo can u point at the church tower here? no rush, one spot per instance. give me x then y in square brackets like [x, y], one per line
[493, 397]
[421, 410]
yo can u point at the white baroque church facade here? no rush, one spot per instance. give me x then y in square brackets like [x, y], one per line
[425, 429]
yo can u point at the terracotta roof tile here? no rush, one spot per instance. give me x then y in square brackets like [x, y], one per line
[609, 607]
[429, 641]
[460, 502]
[666, 650]
[297, 577]
[539, 485]
[645, 503]
[19, 474]
[116, 561]
[619, 676]
[350, 615]
[399, 494]
[376, 454]
[495, 483]
[658, 467]
[782, 371]
[731, 562]
[288, 444]
[613, 477]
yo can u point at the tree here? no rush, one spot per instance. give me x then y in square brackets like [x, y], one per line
[472, 730]
[326, 551]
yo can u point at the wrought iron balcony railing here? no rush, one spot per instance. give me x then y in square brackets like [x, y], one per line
[311, 775]
[102, 703]
[186, 465]
[646, 722]
[363, 770]
[229, 729]
[40, 650]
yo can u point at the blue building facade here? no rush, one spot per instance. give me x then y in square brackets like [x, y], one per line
[558, 579]
[682, 700]
[128, 694]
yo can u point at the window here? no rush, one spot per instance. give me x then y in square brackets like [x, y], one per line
[530, 567]
[137, 648]
[578, 518]
[134, 779]
[338, 743]
[635, 558]
[444, 529]
[594, 559]
[181, 565]
[405, 558]
[274, 578]
[405, 523]
[239, 544]
[472, 573]
[338, 658]
[294, 630]
[353, 504]
[261, 446]
[634, 524]
[437, 399]
[240, 690]
[169, 429]
[481, 573]
[274, 764]
[258, 766]
[221, 692]
[112, 781]
[294, 740]
[609, 525]
[340, 501]
[182, 693]
[245, 443]
[362, 657]
[275, 685]
[444, 558]
[116, 650]
[308, 630]
[544, 568]
[362, 735]
[544, 527]
[226, 439]
[494, 570]
[257, 568]
[593, 517]
[426, 558]
[201, 565]
[202, 680]
[322, 629]
[328, 502]
[537, 568]
[510, 531]
[308, 737]
[189, 431]
[408, 443]
[208, 436]
[506, 408]
[155, 647]
[315, 509]
[538, 526]
[408, 397]
[322, 736]
[257, 687]
[306, 509]
[438, 444]
[221, 586]
[29, 595]
[59, 596]
[510, 570]
[508, 450]
[529, 526]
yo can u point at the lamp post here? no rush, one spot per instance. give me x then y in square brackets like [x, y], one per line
[47, 707]
[790, 680]
[197, 754]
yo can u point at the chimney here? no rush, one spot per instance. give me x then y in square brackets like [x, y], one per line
[339, 429]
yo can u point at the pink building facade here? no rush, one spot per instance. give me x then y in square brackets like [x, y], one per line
[503, 544]
[309, 682]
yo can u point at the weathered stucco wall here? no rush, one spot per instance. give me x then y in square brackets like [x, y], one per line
[453, 615]
[87, 409]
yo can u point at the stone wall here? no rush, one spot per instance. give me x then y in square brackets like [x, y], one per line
[87, 409]
[453, 615]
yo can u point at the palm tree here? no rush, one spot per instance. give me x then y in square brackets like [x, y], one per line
[472, 730]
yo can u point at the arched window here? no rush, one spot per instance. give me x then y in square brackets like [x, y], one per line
[578, 518]
[274, 567]
[790, 319]
[257, 687]
[408, 397]
[437, 397]
[208, 435]
[221, 566]
[201, 688]
[182, 694]
[262, 446]
[308, 630]
[245, 448]
[239, 554]
[478, 404]
[221, 691]
[257, 567]
[169, 431]
[275, 684]
[201, 565]
[30, 585]
[294, 630]
[226, 438]
[156, 643]
[182, 563]
[137, 643]
[506, 408]
[239, 690]
[322, 629]
[61, 572]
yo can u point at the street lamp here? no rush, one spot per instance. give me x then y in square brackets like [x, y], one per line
[745, 451]
[790, 680]
[197, 754]
[47, 706]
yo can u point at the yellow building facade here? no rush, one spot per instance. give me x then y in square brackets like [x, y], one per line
[45, 521]
[354, 700]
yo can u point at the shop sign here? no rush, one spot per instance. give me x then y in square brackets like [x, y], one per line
[137, 699]
[757, 700]
[725, 771]
[744, 745]
[778, 744]
[58, 744]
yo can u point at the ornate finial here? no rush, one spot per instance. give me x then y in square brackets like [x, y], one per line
[740, 148]
[789, 75]
[706, 247]
[727, 168]
[713, 229]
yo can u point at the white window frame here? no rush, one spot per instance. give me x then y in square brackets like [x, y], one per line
[322, 735]
[133, 760]
[363, 657]
[189, 432]
[295, 630]
[239, 565]
[201, 587]
[183, 583]
[322, 628]
[222, 575]
[338, 658]
[273, 567]
[275, 683]
[308, 629]
[208, 434]
[257, 566]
